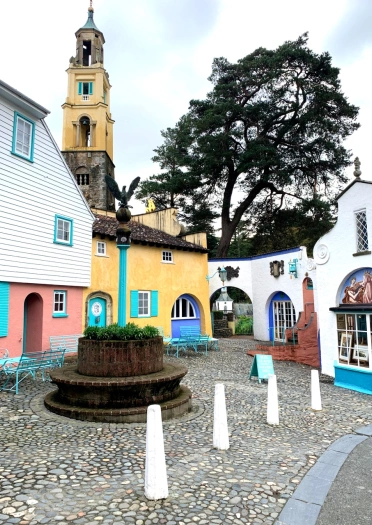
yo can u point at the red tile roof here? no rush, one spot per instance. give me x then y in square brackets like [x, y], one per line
[141, 234]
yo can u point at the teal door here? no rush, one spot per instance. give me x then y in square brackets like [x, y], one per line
[97, 312]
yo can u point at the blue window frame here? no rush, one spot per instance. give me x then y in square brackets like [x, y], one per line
[63, 230]
[60, 303]
[143, 303]
[4, 308]
[23, 137]
[85, 88]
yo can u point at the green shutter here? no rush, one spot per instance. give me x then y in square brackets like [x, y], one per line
[80, 88]
[90, 88]
[133, 303]
[154, 303]
[4, 308]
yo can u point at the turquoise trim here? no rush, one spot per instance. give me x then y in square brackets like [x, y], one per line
[134, 303]
[353, 378]
[60, 241]
[4, 308]
[154, 303]
[24, 341]
[122, 303]
[80, 88]
[90, 88]
[29, 157]
[64, 312]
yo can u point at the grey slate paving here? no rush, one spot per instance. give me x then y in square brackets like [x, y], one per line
[55, 470]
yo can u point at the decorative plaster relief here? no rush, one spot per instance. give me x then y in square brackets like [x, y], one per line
[322, 254]
[310, 265]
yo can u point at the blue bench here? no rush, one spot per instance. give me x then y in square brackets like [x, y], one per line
[190, 338]
[18, 369]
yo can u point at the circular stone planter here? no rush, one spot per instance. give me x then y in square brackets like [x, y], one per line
[115, 381]
[120, 358]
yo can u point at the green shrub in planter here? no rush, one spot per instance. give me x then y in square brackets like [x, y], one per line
[114, 332]
[244, 325]
[218, 314]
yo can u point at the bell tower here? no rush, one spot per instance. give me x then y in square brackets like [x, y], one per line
[87, 137]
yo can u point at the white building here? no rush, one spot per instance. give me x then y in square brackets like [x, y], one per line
[344, 300]
[45, 231]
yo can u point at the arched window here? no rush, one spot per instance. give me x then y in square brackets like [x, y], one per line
[183, 309]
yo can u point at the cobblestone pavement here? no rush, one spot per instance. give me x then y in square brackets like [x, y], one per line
[56, 470]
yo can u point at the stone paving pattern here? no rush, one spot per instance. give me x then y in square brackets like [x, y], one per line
[60, 471]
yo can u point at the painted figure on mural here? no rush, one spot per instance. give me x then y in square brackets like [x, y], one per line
[358, 292]
[367, 284]
[353, 293]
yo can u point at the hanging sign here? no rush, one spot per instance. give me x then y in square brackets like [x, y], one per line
[262, 367]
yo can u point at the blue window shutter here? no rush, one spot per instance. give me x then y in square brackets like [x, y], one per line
[80, 88]
[133, 303]
[4, 308]
[154, 303]
[90, 88]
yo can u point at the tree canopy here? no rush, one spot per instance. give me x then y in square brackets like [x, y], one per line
[268, 136]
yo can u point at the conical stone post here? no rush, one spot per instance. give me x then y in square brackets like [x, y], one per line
[156, 483]
[220, 429]
[272, 401]
[316, 402]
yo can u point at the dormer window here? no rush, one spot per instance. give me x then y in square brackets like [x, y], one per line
[361, 230]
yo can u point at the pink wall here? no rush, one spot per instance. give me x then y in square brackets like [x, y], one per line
[50, 325]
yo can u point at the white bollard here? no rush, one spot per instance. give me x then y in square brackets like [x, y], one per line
[272, 401]
[220, 430]
[156, 483]
[316, 402]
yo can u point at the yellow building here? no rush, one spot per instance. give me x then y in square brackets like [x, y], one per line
[166, 283]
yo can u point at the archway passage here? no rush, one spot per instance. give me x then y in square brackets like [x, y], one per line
[33, 323]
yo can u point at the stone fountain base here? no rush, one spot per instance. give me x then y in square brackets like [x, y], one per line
[102, 396]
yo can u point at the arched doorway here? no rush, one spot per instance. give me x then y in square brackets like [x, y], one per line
[282, 315]
[33, 323]
[185, 312]
[98, 309]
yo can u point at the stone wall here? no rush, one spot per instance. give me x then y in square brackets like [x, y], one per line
[97, 164]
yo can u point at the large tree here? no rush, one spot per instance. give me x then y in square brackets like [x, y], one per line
[270, 133]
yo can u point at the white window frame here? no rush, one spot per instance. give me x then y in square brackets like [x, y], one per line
[60, 299]
[144, 303]
[359, 352]
[101, 249]
[167, 256]
[20, 147]
[177, 309]
[63, 225]
[362, 242]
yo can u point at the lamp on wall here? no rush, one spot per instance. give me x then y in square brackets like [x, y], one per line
[222, 274]
[293, 267]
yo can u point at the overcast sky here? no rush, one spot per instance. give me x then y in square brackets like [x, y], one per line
[158, 54]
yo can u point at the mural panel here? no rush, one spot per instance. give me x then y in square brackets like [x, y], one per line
[358, 288]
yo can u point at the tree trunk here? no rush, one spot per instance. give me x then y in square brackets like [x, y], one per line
[225, 241]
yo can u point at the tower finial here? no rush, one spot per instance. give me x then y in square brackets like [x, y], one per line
[91, 6]
[357, 172]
